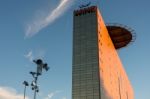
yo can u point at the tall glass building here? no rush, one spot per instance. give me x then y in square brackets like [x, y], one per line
[97, 70]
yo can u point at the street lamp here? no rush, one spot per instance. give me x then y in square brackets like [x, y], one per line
[25, 85]
[40, 67]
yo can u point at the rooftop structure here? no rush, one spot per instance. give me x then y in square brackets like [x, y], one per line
[121, 35]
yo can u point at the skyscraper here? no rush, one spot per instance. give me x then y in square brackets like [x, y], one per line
[97, 70]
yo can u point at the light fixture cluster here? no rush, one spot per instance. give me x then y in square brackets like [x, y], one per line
[35, 75]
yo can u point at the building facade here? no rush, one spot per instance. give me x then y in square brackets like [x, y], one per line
[97, 71]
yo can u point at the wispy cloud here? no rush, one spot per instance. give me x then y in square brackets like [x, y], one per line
[52, 94]
[10, 93]
[64, 98]
[39, 24]
[31, 55]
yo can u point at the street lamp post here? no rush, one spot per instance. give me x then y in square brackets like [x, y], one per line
[35, 75]
[25, 85]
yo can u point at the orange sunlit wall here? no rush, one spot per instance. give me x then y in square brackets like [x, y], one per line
[113, 79]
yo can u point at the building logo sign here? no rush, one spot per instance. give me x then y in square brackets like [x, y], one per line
[85, 11]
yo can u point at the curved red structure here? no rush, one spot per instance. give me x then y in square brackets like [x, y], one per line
[120, 36]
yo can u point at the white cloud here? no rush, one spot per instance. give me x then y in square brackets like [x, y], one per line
[64, 98]
[29, 55]
[52, 94]
[37, 54]
[39, 24]
[10, 93]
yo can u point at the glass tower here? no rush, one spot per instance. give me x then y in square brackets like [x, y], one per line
[97, 70]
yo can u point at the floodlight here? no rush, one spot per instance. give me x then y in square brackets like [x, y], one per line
[37, 90]
[26, 83]
[33, 83]
[38, 61]
[45, 66]
[38, 72]
[33, 73]
[32, 88]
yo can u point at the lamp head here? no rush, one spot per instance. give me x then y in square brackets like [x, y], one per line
[45, 66]
[26, 83]
[38, 61]
[33, 83]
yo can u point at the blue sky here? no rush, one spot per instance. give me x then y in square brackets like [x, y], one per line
[28, 30]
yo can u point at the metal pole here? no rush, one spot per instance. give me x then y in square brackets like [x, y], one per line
[35, 90]
[24, 91]
[34, 94]
[25, 85]
[40, 66]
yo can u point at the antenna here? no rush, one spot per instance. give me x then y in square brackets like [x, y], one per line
[85, 5]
